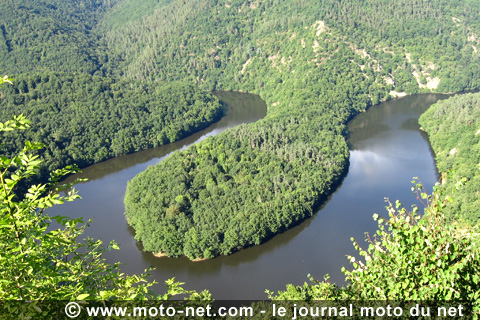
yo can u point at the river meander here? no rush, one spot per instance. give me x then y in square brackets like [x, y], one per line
[387, 150]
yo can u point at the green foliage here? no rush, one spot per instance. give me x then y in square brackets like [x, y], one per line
[453, 127]
[43, 257]
[411, 257]
[38, 262]
[222, 195]
[220, 44]
[128, 11]
[54, 34]
[315, 70]
[418, 258]
[84, 119]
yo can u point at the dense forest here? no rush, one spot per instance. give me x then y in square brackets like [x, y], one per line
[84, 119]
[52, 35]
[224, 44]
[315, 70]
[395, 263]
[453, 127]
[100, 78]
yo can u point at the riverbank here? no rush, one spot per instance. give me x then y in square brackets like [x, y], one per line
[386, 151]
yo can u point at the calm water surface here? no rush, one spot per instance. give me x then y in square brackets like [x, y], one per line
[387, 150]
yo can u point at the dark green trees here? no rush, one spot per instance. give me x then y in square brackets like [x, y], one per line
[315, 70]
[453, 127]
[84, 119]
[225, 194]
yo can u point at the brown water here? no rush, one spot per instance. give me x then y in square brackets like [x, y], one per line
[387, 150]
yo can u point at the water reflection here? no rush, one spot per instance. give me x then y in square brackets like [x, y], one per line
[387, 151]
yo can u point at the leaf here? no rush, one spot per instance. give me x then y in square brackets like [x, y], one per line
[83, 296]
[114, 245]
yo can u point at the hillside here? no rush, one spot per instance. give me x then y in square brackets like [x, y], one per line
[50, 35]
[220, 44]
[102, 78]
[315, 69]
[453, 127]
[56, 59]
[85, 119]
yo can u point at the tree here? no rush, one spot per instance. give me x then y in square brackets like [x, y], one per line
[45, 260]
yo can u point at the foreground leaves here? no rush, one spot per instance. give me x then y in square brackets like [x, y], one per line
[45, 258]
[411, 257]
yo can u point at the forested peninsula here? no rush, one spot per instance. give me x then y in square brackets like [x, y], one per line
[139, 70]
[315, 70]
[102, 78]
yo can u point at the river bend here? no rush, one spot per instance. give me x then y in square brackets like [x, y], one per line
[387, 150]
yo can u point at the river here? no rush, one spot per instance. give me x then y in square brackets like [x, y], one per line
[387, 150]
